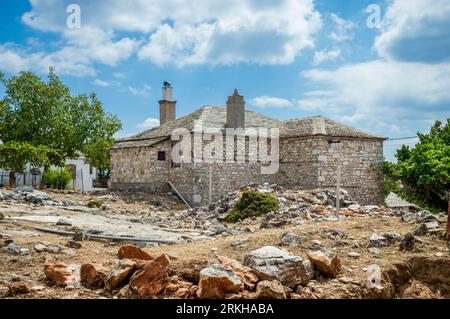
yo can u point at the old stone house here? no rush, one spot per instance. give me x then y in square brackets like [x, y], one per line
[311, 152]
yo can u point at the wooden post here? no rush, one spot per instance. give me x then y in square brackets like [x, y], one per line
[447, 228]
[338, 189]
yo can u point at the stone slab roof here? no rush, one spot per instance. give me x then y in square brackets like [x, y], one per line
[215, 117]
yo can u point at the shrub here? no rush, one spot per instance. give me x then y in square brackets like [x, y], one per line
[56, 178]
[252, 204]
[95, 204]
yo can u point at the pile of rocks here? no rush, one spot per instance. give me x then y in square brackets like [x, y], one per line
[28, 195]
[268, 272]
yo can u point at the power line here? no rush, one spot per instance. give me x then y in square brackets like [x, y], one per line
[402, 138]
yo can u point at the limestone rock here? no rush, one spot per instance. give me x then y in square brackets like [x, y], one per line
[377, 241]
[151, 280]
[408, 242]
[120, 274]
[270, 290]
[133, 252]
[392, 237]
[216, 281]
[93, 275]
[246, 274]
[2, 217]
[327, 262]
[271, 263]
[290, 239]
[19, 288]
[62, 274]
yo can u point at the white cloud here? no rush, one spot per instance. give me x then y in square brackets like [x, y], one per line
[143, 91]
[148, 124]
[342, 29]
[324, 56]
[381, 94]
[98, 82]
[416, 31]
[269, 101]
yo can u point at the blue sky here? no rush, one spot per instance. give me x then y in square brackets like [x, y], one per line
[289, 58]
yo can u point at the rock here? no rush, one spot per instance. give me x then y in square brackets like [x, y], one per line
[247, 275]
[74, 244]
[4, 292]
[353, 255]
[40, 248]
[178, 288]
[270, 290]
[354, 207]
[37, 288]
[408, 217]
[432, 225]
[408, 242]
[425, 215]
[298, 221]
[392, 237]
[377, 241]
[188, 269]
[290, 239]
[420, 230]
[12, 248]
[151, 280]
[272, 263]
[327, 262]
[120, 274]
[93, 275]
[62, 274]
[216, 281]
[63, 222]
[53, 249]
[19, 288]
[309, 267]
[133, 252]
[2, 217]
[374, 250]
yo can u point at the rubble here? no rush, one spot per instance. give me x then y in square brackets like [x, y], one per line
[327, 262]
[150, 280]
[271, 263]
[270, 290]
[93, 275]
[216, 281]
[133, 252]
[120, 275]
[62, 274]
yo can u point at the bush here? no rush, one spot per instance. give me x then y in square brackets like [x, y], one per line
[252, 204]
[95, 204]
[56, 178]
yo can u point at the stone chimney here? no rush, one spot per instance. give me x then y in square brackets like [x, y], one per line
[167, 106]
[236, 111]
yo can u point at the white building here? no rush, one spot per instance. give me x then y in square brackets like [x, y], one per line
[84, 176]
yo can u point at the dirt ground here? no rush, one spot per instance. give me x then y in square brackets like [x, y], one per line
[352, 279]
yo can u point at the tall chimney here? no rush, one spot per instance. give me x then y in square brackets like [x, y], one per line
[236, 111]
[167, 106]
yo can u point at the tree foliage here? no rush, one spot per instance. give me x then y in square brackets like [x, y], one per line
[35, 112]
[424, 170]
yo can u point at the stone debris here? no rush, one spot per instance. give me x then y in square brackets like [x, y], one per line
[270, 290]
[19, 288]
[133, 252]
[216, 281]
[377, 241]
[150, 280]
[327, 262]
[408, 242]
[62, 274]
[290, 239]
[93, 275]
[271, 263]
[120, 275]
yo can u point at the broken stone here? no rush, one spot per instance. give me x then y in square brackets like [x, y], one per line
[377, 241]
[120, 274]
[392, 237]
[188, 269]
[290, 239]
[19, 288]
[353, 254]
[247, 275]
[420, 230]
[425, 215]
[2, 217]
[4, 292]
[374, 250]
[12, 248]
[133, 252]
[298, 221]
[62, 274]
[408, 242]
[327, 262]
[93, 275]
[271, 263]
[432, 225]
[178, 288]
[73, 244]
[216, 281]
[40, 248]
[270, 290]
[151, 280]
[408, 217]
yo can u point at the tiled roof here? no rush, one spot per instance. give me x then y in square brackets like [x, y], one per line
[215, 117]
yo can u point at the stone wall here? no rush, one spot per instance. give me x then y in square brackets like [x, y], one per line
[304, 163]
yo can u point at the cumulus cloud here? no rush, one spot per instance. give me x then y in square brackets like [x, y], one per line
[148, 124]
[102, 83]
[142, 91]
[324, 55]
[270, 101]
[382, 94]
[343, 30]
[416, 31]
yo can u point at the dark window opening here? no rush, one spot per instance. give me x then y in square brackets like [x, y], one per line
[161, 156]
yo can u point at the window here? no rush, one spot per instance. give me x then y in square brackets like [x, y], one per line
[161, 156]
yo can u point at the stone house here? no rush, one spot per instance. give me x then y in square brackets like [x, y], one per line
[313, 151]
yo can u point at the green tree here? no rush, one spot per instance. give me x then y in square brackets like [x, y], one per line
[38, 112]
